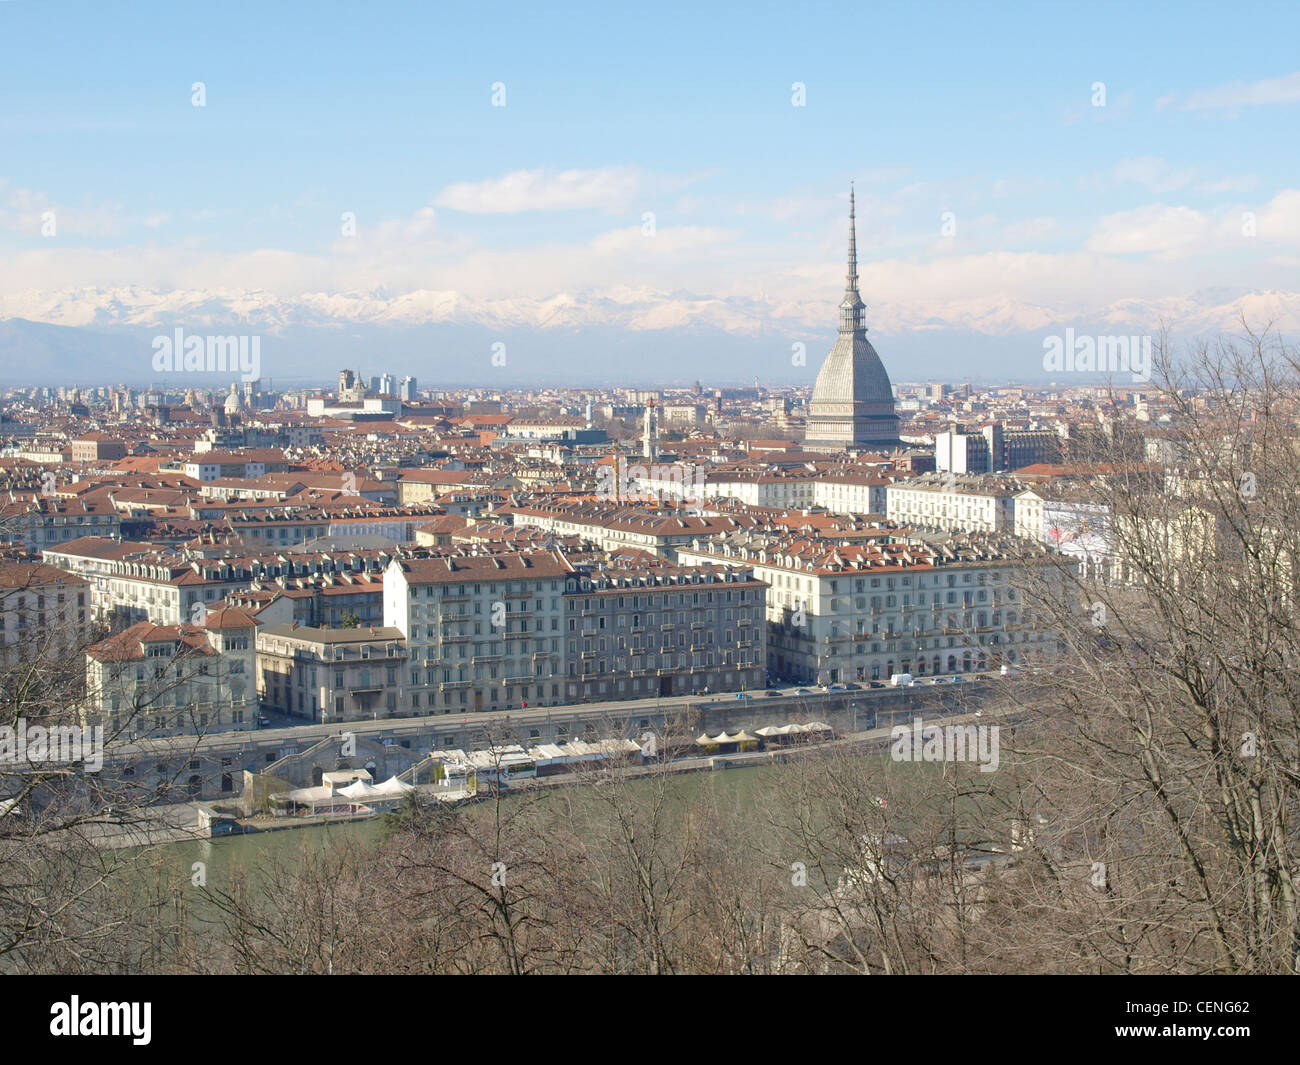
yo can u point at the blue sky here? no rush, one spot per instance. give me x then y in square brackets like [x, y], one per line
[384, 110]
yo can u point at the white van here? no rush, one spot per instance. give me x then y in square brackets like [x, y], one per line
[902, 680]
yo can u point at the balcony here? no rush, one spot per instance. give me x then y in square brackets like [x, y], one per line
[456, 638]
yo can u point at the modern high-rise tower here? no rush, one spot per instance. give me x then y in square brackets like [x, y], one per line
[852, 407]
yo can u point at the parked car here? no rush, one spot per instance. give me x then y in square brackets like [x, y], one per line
[853, 687]
[743, 695]
[263, 722]
[773, 691]
[902, 680]
[805, 691]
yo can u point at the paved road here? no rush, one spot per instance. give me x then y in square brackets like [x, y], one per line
[624, 713]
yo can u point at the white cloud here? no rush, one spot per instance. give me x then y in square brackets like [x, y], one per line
[1283, 90]
[1004, 187]
[1158, 176]
[1030, 229]
[1239, 183]
[1155, 229]
[606, 189]
[1153, 173]
[25, 210]
[1279, 220]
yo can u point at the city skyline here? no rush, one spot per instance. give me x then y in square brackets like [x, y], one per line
[575, 490]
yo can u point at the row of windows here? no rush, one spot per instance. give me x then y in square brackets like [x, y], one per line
[21, 603]
[418, 611]
[698, 660]
[460, 589]
[652, 620]
[642, 602]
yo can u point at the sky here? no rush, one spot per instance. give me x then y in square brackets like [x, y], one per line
[1076, 155]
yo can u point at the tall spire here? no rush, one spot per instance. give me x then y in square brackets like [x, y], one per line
[853, 244]
[851, 307]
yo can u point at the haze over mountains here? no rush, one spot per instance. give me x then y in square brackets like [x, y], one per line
[614, 336]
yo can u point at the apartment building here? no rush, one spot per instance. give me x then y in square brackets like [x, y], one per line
[483, 627]
[137, 582]
[95, 559]
[167, 680]
[332, 674]
[846, 612]
[851, 493]
[615, 527]
[963, 453]
[48, 521]
[288, 527]
[1063, 517]
[954, 502]
[665, 630]
[757, 487]
[97, 447]
[43, 611]
[214, 465]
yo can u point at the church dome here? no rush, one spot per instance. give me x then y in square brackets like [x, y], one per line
[853, 373]
[852, 405]
[234, 402]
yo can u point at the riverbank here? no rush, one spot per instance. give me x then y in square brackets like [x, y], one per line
[172, 830]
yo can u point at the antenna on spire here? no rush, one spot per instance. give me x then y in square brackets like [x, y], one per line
[853, 241]
[852, 307]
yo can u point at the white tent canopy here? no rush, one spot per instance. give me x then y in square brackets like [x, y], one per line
[390, 788]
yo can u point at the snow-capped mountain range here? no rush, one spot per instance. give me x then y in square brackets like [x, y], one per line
[103, 335]
[642, 309]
